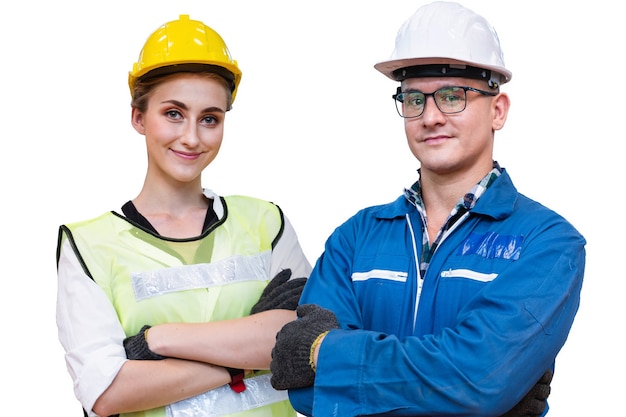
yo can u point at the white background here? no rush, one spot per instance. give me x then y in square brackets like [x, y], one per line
[314, 130]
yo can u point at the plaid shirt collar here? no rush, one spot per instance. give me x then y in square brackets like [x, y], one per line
[465, 204]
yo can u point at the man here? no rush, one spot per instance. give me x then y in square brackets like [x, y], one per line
[456, 298]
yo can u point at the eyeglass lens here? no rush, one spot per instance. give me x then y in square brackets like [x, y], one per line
[448, 100]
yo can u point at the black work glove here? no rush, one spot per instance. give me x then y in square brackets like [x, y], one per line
[280, 293]
[535, 401]
[291, 356]
[137, 347]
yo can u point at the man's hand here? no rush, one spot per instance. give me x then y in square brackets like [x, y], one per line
[281, 293]
[137, 346]
[535, 401]
[291, 364]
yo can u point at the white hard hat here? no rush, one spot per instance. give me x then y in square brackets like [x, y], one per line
[446, 39]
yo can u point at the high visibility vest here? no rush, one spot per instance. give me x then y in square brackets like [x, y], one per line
[217, 276]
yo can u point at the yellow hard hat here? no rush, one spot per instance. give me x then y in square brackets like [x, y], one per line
[185, 45]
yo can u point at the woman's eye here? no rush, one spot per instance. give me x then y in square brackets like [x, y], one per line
[173, 114]
[209, 120]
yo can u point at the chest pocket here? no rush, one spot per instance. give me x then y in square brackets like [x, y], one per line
[383, 285]
[474, 264]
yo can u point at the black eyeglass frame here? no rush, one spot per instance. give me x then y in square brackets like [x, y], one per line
[398, 98]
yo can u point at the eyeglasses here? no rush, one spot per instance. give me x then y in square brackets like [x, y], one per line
[449, 100]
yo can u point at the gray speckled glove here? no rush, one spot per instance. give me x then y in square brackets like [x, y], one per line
[291, 356]
[281, 293]
[137, 347]
[535, 401]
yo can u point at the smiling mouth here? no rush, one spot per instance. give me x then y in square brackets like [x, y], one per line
[186, 155]
[432, 139]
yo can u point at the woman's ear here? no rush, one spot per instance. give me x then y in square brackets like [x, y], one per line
[501, 106]
[136, 119]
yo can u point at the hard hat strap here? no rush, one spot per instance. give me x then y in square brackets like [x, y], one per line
[442, 70]
[191, 67]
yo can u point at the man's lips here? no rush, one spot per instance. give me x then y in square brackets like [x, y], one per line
[436, 139]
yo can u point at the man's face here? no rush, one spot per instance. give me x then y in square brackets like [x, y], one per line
[458, 143]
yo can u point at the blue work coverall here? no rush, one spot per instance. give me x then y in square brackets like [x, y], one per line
[488, 319]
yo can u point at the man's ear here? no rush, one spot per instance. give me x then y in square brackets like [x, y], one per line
[136, 119]
[501, 105]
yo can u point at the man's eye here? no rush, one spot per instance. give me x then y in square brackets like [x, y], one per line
[451, 96]
[415, 100]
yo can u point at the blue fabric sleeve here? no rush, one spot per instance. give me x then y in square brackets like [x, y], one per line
[504, 338]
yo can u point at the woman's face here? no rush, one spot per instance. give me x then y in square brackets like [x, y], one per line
[183, 126]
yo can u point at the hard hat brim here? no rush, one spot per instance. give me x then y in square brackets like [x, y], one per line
[388, 68]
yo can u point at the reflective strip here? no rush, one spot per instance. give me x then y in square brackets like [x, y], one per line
[469, 274]
[380, 274]
[223, 400]
[187, 277]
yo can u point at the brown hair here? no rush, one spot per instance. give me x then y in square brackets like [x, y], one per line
[144, 86]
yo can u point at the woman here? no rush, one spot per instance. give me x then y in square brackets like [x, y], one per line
[177, 253]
